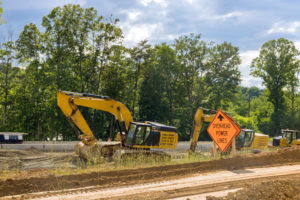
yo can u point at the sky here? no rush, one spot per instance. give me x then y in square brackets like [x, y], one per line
[247, 24]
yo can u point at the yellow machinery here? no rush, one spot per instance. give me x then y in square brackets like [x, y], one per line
[288, 138]
[133, 135]
[246, 139]
[199, 119]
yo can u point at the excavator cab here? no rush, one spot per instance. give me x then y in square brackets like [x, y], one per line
[245, 138]
[288, 138]
[248, 139]
[151, 135]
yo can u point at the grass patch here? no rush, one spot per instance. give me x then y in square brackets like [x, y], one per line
[74, 165]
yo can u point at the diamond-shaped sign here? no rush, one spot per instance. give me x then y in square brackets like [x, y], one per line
[222, 130]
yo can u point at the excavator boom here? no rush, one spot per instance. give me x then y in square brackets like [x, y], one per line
[69, 102]
[199, 119]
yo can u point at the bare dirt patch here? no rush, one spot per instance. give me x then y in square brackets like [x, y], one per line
[287, 189]
[22, 185]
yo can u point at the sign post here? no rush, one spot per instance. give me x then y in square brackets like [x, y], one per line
[223, 130]
[214, 150]
[233, 148]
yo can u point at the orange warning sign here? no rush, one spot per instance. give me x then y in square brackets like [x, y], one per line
[222, 130]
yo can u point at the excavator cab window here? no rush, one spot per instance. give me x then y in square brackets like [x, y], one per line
[249, 136]
[289, 136]
[245, 138]
[240, 139]
[130, 137]
[140, 134]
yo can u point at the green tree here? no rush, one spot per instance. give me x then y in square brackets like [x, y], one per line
[276, 65]
[249, 94]
[31, 95]
[152, 103]
[1, 12]
[192, 53]
[138, 55]
[223, 76]
[8, 81]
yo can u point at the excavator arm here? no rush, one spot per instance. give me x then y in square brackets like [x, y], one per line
[69, 102]
[199, 119]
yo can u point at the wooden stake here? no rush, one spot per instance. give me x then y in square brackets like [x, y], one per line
[233, 148]
[214, 150]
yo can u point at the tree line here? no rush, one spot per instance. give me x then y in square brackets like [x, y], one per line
[75, 49]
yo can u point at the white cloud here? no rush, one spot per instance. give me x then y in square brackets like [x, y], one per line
[227, 16]
[136, 33]
[132, 16]
[247, 79]
[162, 3]
[284, 27]
[297, 44]
[39, 4]
[190, 1]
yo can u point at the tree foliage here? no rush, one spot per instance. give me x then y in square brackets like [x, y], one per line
[277, 65]
[78, 50]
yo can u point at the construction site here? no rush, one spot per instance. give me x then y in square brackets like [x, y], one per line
[33, 174]
[146, 161]
[149, 100]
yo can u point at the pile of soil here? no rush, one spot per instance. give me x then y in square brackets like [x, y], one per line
[146, 175]
[271, 190]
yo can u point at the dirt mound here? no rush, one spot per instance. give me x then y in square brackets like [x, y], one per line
[144, 175]
[274, 190]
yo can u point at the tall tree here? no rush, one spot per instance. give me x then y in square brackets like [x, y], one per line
[8, 80]
[192, 53]
[276, 65]
[138, 55]
[31, 95]
[152, 103]
[223, 76]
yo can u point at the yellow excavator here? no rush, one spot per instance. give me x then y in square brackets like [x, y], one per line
[288, 138]
[134, 137]
[247, 138]
[199, 119]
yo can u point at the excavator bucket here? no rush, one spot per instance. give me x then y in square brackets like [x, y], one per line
[98, 152]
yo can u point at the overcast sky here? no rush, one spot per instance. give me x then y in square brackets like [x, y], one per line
[244, 23]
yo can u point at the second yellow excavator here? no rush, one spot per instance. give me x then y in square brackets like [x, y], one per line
[288, 138]
[134, 137]
[247, 139]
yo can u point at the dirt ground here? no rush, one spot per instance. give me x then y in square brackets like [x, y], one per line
[286, 189]
[43, 180]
